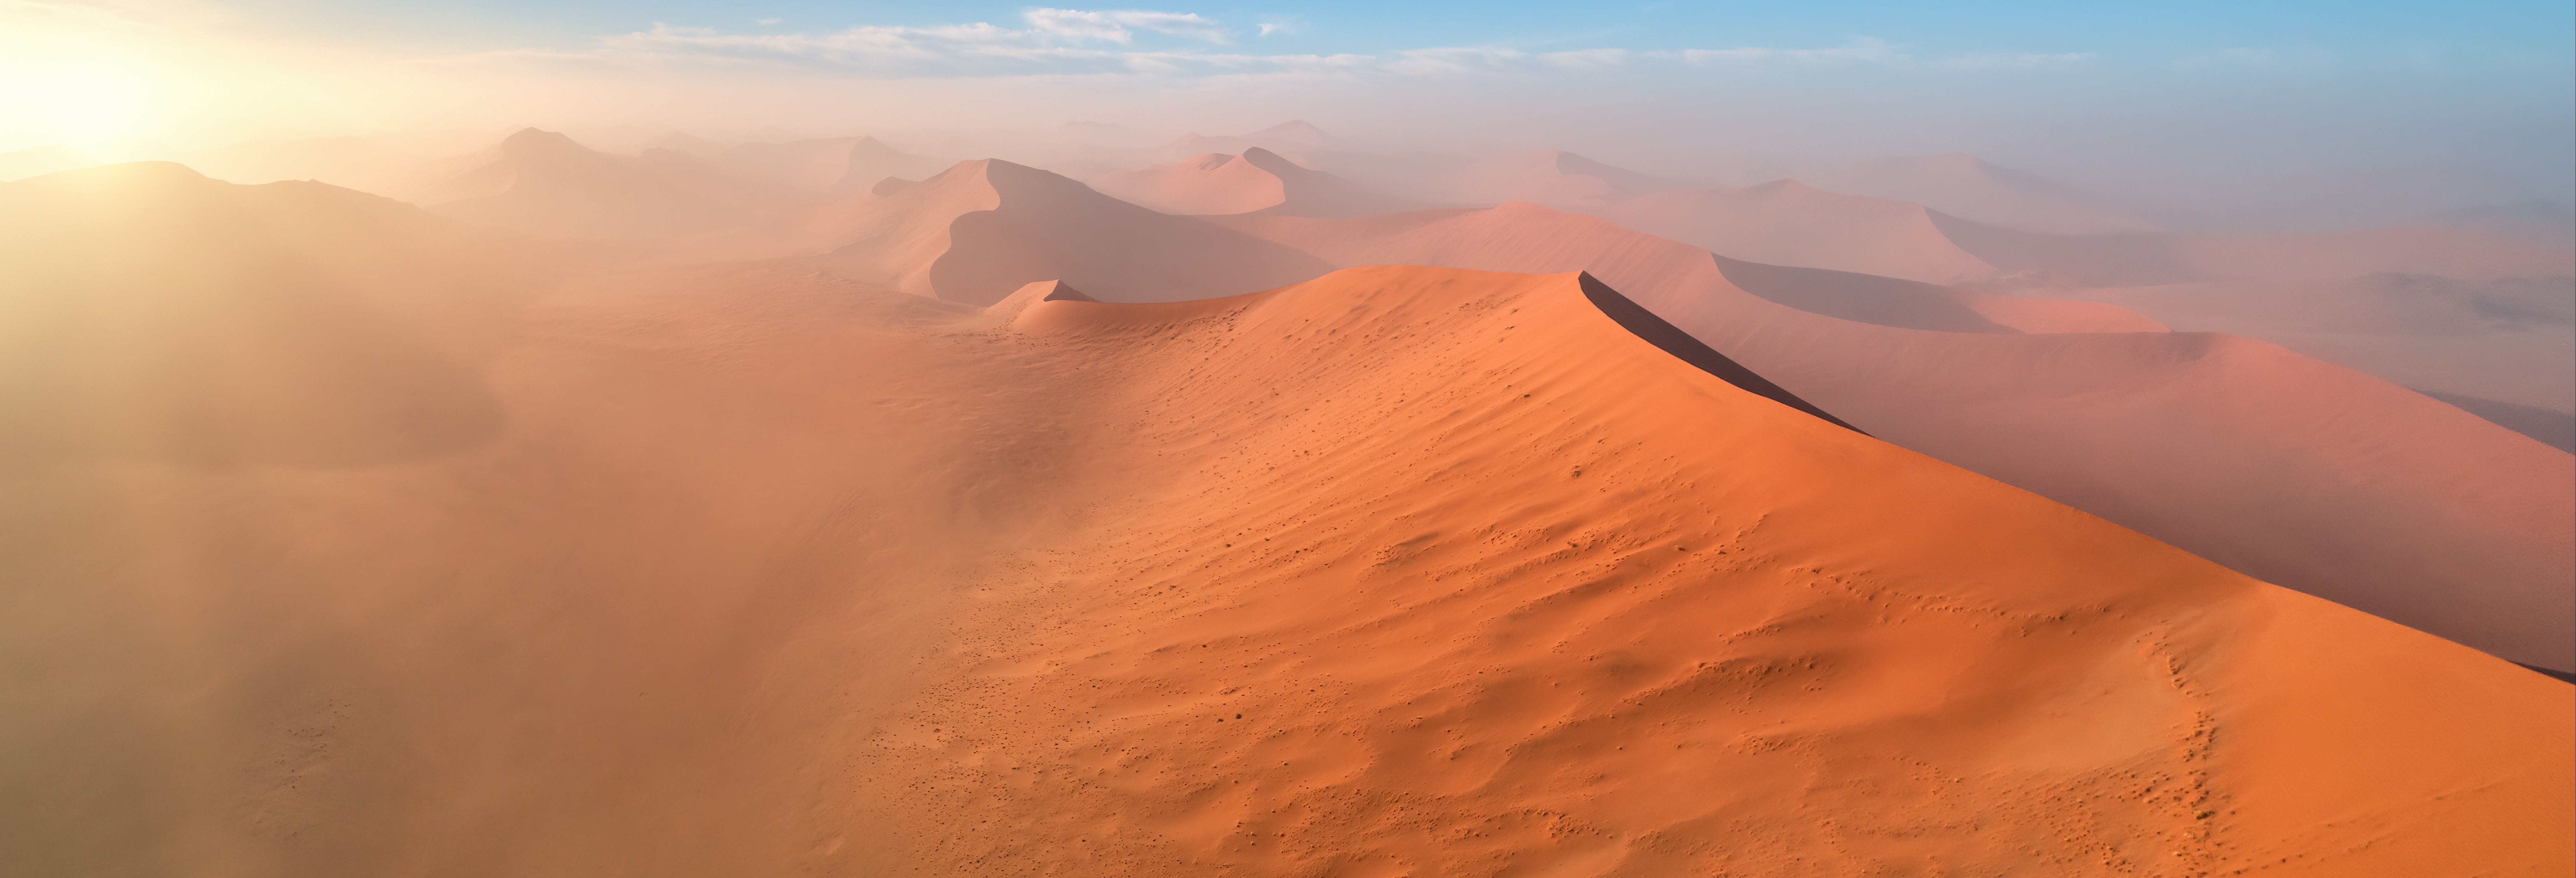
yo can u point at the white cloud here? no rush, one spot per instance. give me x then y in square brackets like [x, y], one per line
[1282, 25]
[1113, 26]
[2016, 61]
[1866, 50]
[2256, 58]
[1585, 59]
[1078, 42]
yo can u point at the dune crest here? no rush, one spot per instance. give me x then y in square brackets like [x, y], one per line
[1521, 591]
[2231, 448]
[976, 232]
[1257, 181]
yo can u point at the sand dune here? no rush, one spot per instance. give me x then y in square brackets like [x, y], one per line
[765, 571]
[359, 163]
[979, 230]
[2037, 259]
[809, 164]
[1552, 177]
[38, 161]
[2292, 470]
[543, 183]
[872, 161]
[1965, 186]
[2465, 253]
[1294, 137]
[2511, 340]
[157, 315]
[1257, 180]
[1212, 183]
[1785, 222]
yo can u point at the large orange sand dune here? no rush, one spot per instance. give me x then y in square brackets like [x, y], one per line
[2297, 471]
[1399, 571]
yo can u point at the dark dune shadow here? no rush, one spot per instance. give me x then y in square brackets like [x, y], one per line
[1636, 319]
[2553, 428]
[2100, 260]
[1861, 298]
[1049, 227]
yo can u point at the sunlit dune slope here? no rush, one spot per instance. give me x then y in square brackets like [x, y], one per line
[153, 313]
[764, 571]
[543, 183]
[2292, 470]
[981, 229]
[1452, 574]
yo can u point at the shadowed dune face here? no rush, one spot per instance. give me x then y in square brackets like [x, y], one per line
[2240, 451]
[155, 314]
[1786, 222]
[1671, 340]
[984, 228]
[2099, 259]
[1861, 298]
[1398, 570]
[1500, 588]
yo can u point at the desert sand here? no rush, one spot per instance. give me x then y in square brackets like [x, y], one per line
[1786, 222]
[544, 183]
[2234, 449]
[1256, 181]
[980, 229]
[1965, 186]
[989, 525]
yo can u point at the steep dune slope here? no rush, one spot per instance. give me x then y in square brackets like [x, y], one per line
[769, 572]
[544, 183]
[981, 229]
[2294, 471]
[1456, 576]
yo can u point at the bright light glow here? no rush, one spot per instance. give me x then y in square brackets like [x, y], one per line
[84, 105]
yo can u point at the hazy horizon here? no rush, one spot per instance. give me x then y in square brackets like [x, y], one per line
[2284, 115]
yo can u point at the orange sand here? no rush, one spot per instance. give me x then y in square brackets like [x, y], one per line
[754, 570]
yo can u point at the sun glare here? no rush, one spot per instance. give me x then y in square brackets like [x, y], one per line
[75, 105]
[93, 105]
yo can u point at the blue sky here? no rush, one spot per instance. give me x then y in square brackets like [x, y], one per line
[2463, 30]
[2307, 109]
